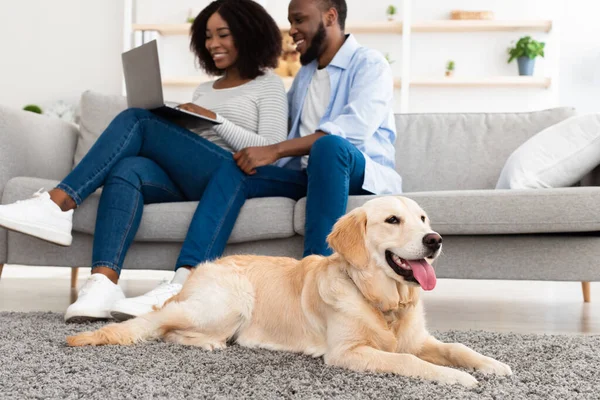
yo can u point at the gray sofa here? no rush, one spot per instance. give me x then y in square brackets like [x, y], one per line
[449, 162]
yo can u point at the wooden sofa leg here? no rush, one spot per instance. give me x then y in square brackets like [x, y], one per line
[1, 267]
[74, 273]
[585, 287]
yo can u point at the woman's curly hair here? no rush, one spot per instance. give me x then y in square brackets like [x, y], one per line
[256, 37]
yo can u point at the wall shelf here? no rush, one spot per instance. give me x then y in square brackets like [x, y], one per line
[185, 81]
[184, 29]
[448, 26]
[192, 81]
[481, 26]
[164, 29]
[491, 82]
[407, 29]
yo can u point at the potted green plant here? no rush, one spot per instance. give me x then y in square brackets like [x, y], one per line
[389, 58]
[33, 108]
[190, 18]
[450, 68]
[525, 51]
[391, 12]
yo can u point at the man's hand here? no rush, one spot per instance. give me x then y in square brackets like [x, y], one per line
[191, 107]
[250, 158]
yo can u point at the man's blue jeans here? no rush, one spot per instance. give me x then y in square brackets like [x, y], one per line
[143, 159]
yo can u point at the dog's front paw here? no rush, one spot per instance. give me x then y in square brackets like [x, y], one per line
[489, 366]
[453, 376]
[82, 339]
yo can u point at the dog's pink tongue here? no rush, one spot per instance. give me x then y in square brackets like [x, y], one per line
[424, 273]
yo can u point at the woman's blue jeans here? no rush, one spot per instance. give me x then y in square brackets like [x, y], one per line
[142, 159]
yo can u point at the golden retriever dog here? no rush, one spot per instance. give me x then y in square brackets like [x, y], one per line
[358, 308]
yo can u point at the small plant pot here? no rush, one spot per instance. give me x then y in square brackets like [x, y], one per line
[449, 73]
[391, 18]
[526, 66]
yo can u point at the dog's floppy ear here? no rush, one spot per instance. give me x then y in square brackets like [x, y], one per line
[348, 237]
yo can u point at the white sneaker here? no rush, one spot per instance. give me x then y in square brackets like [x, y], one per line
[136, 306]
[40, 217]
[94, 300]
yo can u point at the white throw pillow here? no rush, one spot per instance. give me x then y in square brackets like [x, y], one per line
[558, 156]
[97, 111]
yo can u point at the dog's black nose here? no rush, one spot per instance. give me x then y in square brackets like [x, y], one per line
[433, 241]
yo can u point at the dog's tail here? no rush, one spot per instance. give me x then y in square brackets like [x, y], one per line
[146, 327]
[175, 298]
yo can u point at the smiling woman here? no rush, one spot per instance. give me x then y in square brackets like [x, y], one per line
[238, 34]
[146, 160]
[239, 42]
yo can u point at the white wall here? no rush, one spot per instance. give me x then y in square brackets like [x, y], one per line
[52, 51]
[580, 56]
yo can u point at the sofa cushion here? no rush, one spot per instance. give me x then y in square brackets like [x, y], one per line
[497, 212]
[558, 156]
[463, 151]
[96, 112]
[266, 218]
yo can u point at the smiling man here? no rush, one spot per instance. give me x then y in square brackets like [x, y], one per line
[342, 124]
[341, 140]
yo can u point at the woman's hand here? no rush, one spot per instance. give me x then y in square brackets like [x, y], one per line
[250, 158]
[191, 107]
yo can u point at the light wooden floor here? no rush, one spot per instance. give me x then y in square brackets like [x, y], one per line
[502, 306]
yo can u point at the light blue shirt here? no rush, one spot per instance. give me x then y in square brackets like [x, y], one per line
[360, 110]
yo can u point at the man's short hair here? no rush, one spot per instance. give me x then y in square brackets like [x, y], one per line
[341, 8]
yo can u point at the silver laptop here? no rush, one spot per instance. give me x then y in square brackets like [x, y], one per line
[144, 88]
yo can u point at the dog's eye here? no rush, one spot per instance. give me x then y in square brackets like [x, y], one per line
[393, 220]
[423, 218]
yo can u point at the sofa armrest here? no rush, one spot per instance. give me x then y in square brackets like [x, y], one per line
[34, 145]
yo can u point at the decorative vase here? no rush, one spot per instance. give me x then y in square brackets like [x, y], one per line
[526, 65]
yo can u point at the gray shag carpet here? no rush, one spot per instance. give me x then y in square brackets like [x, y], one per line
[35, 363]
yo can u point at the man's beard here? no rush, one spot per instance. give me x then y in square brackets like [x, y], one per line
[316, 44]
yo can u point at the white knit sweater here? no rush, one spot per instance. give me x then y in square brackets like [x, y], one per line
[253, 114]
